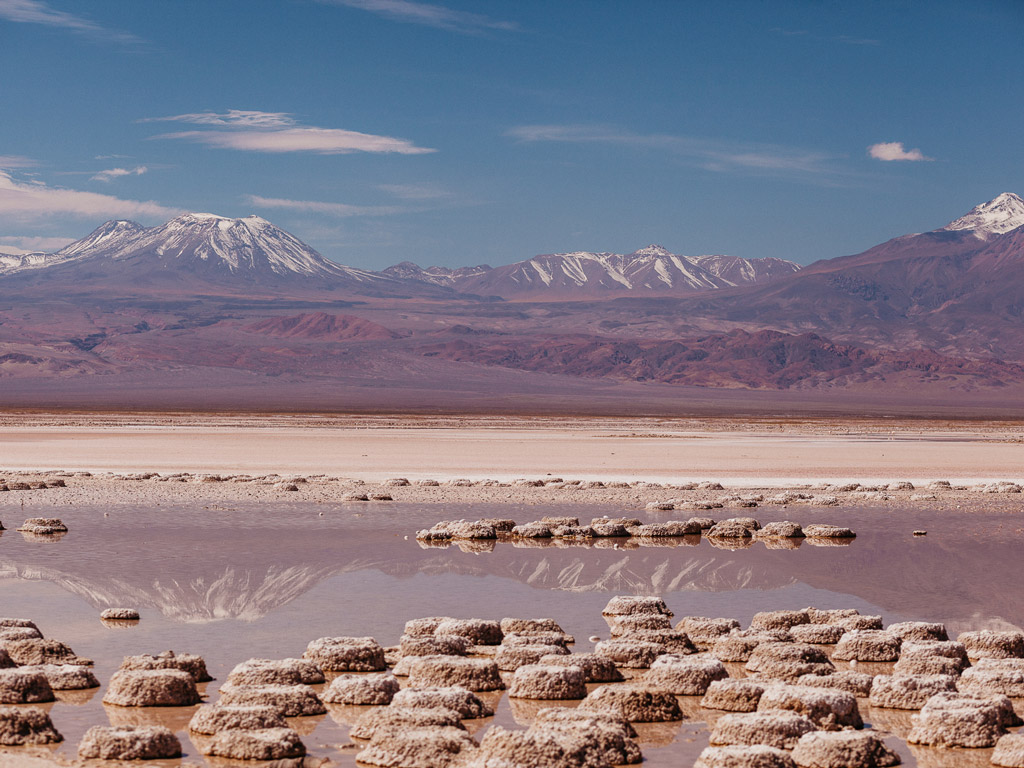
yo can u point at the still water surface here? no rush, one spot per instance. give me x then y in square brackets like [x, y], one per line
[240, 582]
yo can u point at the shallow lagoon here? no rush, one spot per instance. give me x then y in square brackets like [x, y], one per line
[230, 583]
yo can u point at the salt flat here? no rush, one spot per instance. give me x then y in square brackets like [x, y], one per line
[731, 451]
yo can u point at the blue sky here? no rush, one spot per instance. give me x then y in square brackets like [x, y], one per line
[461, 133]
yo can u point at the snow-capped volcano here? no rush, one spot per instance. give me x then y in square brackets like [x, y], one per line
[204, 241]
[996, 217]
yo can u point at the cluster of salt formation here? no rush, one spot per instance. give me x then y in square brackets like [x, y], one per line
[726, 533]
[793, 709]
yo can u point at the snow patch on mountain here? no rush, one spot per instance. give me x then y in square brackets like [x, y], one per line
[996, 217]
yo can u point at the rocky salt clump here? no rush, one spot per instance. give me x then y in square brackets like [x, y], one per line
[395, 719]
[536, 681]
[829, 615]
[728, 529]
[535, 638]
[43, 526]
[738, 646]
[596, 669]
[817, 634]
[186, 662]
[704, 631]
[788, 661]
[120, 614]
[779, 619]
[362, 690]
[275, 672]
[66, 677]
[36, 651]
[443, 645]
[467, 704]
[477, 631]
[1009, 751]
[629, 653]
[214, 718]
[843, 749]
[511, 657]
[624, 625]
[784, 529]
[823, 531]
[781, 729]
[346, 654]
[417, 748]
[441, 671]
[918, 631]
[510, 626]
[144, 742]
[424, 627]
[962, 720]
[733, 695]
[501, 748]
[998, 677]
[152, 688]
[623, 605]
[857, 683]
[532, 531]
[670, 640]
[611, 739]
[908, 691]
[18, 686]
[988, 644]
[26, 725]
[634, 703]
[827, 707]
[292, 700]
[753, 756]
[867, 645]
[262, 744]
[684, 676]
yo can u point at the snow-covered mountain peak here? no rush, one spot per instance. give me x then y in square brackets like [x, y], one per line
[999, 215]
[106, 235]
[653, 250]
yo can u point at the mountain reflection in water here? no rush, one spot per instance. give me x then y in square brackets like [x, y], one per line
[195, 565]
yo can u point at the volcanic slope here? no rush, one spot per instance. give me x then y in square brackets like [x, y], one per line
[957, 289]
[199, 254]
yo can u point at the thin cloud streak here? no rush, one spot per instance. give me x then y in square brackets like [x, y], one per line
[16, 161]
[429, 15]
[323, 141]
[113, 173]
[341, 210]
[709, 154]
[255, 131]
[894, 151]
[233, 118]
[35, 201]
[37, 12]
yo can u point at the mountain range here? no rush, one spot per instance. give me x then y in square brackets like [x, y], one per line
[204, 248]
[207, 311]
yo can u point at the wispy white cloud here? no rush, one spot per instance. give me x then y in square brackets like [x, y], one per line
[889, 151]
[35, 201]
[415, 191]
[233, 118]
[710, 154]
[38, 12]
[429, 15]
[112, 173]
[255, 131]
[31, 243]
[16, 161]
[331, 209]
